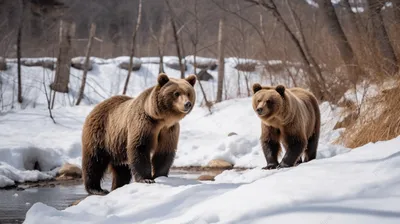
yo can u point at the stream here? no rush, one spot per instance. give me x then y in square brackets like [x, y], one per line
[15, 203]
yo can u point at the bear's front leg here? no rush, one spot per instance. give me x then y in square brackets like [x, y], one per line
[270, 146]
[164, 155]
[139, 158]
[294, 148]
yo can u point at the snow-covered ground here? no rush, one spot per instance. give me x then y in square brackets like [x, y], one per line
[361, 186]
[341, 186]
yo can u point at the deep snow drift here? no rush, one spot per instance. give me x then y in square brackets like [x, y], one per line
[361, 186]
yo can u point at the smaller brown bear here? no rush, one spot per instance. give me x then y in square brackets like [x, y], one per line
[290, 116]
[135, 137]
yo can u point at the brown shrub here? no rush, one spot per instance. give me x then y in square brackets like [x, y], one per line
[378, 121]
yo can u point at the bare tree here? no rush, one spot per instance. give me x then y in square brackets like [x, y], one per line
[396, 8]
[61, 79]
[47, 97]
[195, 41]
[221, 60]
[340, 39]
[19, 36]
[133, 47]
[160, 40]
[176, 38]
[383, 45]
[86, 65]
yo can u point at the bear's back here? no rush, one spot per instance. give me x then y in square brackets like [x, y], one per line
[308, 108]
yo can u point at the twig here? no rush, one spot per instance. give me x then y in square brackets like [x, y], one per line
[47, 99]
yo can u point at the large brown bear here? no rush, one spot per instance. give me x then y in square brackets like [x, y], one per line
[135, 137]
[290, 116]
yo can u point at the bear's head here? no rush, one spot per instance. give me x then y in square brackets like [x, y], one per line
[175, 97]
[268, 101]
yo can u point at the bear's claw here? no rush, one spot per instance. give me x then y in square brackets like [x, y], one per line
[282, 165]
[270, 167]
[147, 181]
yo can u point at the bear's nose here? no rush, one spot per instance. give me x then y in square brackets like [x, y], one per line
[188, 105]
[259, 110]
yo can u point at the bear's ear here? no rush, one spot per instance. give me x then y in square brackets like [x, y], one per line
[256, 87]
[280, 89]
[191, 79]
[162, 79]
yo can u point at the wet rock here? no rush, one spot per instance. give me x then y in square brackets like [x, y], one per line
[232, 134]
[203, 75]
[174, 64]
[220, 163]
[79, 63]
[206, 178]
[137, 63]
[209, 65]
[76, 202]
[246, 66]
[69, 171]
[50, 64]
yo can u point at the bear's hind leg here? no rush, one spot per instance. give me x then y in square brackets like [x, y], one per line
[312, 145]
[164, 155]
[93, 167]
[121, 176]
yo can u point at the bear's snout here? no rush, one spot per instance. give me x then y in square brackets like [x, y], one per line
[188, 105]
[259, 110]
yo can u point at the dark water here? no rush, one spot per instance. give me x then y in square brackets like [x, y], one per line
[15, 203]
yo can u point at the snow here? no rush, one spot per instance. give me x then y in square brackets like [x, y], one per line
[359, 186]
[29, 136]
[340, 186]
[200, 60]
[203, 137]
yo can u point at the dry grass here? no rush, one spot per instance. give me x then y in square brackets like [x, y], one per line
[379, 120]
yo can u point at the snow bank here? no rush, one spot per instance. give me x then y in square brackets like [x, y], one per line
[361, 185]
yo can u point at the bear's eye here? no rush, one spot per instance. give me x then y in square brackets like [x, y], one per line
[269, 102]
[189, 95]
[176, 94]
[258, 101]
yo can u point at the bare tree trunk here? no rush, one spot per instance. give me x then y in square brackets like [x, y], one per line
[195, 42]
[315, 74]
[340, 39]
[19, 36]
[221, 61]
[133, 47]
[396, 9]
[86, 65]
[389, 63]
[176, 38]
[61, 80]
[161, 49]
[311, 67]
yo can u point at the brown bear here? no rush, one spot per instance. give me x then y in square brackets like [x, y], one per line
[135, 137]
[290, 116]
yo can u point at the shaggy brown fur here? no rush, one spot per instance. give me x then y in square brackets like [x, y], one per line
[135, 137]
[290, 116]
